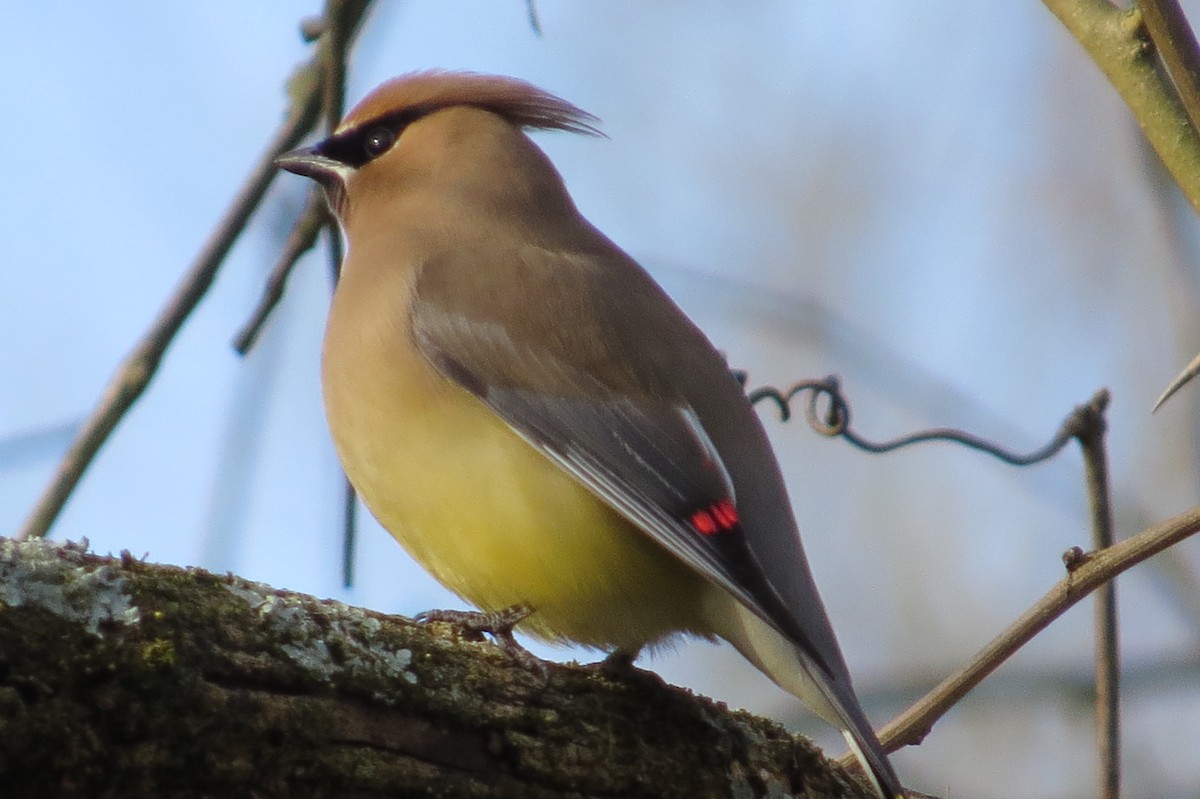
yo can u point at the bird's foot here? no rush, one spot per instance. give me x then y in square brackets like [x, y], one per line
[618, 666]
[499, 624]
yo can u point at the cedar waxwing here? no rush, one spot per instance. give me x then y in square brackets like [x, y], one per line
[531, 416]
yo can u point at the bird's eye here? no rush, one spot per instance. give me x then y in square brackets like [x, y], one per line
[378, 141]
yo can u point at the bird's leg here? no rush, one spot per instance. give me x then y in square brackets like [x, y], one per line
[497, 623]
[618, 664]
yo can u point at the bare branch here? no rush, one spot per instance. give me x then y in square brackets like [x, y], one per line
[139, 367]
[1086, 573]
[1176, 46]
[302, 238]
[1117, 41]
[535, 23]
[1087, 425]
[1182, 379]
[349, 530]
[1090, 432]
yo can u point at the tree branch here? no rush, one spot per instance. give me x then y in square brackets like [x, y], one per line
[1085, 573]
[1176, 45]
[122, 677]
[1117, 41]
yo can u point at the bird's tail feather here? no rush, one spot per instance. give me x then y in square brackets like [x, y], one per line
[878, 770]
[830, 697]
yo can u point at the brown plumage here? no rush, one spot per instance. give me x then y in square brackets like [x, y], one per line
[523, 105]
[528, 413]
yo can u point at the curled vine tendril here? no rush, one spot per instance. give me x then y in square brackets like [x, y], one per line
[828, 413]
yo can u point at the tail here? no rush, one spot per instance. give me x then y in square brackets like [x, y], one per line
[832, 699]
[869, 752]
[849, 717]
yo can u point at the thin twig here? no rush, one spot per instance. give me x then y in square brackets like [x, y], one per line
[335, 100]
[534, 22]
[136, 371]
[349, 531]
[335, 30]
[1171, 121]
[1189, 372]
[1090, 432]
[1089, 573]
[139, 367]
[299, 241]
[349, 496]
[350, 514]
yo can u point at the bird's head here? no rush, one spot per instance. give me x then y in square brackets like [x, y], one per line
[449, 132]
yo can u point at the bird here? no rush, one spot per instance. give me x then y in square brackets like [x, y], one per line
[530, 415]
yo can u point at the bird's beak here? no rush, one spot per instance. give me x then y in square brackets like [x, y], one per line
[330, 173]
[309, 162]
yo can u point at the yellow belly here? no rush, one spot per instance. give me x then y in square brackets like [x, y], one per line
[487, 515]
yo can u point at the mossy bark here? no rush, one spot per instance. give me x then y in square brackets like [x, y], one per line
[123, 678]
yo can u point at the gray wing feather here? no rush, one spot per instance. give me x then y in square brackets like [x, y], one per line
[609, 412]
[630, 458]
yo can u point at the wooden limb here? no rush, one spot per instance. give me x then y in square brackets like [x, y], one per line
[1085, 573]
[119, 677]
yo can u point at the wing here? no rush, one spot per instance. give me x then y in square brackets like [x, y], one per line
[588, 377]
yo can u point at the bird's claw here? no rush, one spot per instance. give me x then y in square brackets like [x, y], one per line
[499, 624]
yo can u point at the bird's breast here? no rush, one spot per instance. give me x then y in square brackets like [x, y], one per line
[477, 506]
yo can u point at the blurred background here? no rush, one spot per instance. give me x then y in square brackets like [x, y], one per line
[944, 203]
